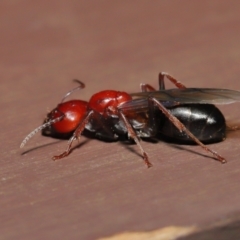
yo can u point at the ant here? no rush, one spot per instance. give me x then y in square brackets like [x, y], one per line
[110, 114]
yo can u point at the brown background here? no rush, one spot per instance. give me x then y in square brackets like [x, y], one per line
[102, 188]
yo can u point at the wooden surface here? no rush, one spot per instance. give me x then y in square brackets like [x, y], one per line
[104, 189]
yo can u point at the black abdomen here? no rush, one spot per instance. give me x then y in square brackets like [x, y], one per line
[204, 121]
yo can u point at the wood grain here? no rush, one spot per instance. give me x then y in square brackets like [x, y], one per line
[103, 189]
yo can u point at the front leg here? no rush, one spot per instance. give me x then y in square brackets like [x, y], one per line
[76, 135]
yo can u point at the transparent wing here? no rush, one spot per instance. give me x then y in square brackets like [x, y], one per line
[174, 96]
[193, 95]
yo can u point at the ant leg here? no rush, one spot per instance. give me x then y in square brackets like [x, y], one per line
[151, 127]
[182, 128]
[146, 87]
[76, 135]
[169, 77]
[134, 136]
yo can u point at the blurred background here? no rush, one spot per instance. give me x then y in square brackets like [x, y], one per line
[111, 45]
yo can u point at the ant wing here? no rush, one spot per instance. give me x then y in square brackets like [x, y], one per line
[139, 105]
[193, 95]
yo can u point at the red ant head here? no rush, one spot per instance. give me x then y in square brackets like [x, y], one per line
[107, 101]
[72, 111]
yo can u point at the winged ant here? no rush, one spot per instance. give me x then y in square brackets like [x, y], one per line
[184, 114]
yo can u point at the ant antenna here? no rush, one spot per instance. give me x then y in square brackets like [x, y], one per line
[31, 134]
[81, 86]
